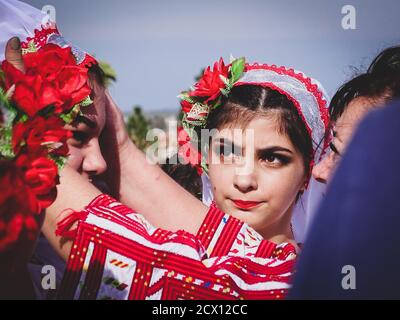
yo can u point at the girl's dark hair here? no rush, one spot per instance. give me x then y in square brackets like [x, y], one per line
[369, 85]
[185, 175]
[245, 102]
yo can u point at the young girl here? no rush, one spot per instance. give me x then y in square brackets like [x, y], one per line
[281, 155]
[286, 111]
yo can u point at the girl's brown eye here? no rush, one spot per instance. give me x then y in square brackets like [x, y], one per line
[270, 158]
[275, 159]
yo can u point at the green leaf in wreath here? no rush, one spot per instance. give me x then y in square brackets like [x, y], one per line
[87, 102]
[237, 69]
[70, 116]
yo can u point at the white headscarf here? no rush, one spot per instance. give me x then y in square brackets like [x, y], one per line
[18, 19]
[34, 28]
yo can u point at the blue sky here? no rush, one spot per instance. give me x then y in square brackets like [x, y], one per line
[157, 47]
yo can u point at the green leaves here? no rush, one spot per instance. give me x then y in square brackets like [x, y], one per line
[59, 161]
[5, 143]
[185, 96]
[71, 115]
[237, 69]
[86, 102]
[31, 48]
[4, 101]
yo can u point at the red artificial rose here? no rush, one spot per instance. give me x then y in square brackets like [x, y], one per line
[18, 205]
[10, 231]
[49, 60]
[187, 151]
[186, 106]
[12, 74]
[38, 133]
[32, 94]
[72, 85]
[52, 78]
[41, 177]
[210, 83]
[14, 195]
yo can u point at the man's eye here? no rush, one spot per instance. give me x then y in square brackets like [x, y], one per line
[334, 149]
[79, 136]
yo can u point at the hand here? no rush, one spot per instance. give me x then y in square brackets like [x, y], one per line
[115, 146]
[13, 53]
[115, 123]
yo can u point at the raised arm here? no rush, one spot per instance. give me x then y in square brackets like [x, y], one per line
[146, 187]
[73, 193]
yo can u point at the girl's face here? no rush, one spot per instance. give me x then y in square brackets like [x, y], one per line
[263, 195]
[84, 148]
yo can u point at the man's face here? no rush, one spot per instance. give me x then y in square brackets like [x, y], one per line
[342, 132]
[84, 148]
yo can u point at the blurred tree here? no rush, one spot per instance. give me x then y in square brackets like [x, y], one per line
[138, 126]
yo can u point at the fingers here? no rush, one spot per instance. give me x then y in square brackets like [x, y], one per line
[112, 107]
[13, 53]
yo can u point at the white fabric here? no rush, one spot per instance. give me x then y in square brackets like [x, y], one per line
[18, 19]
[305, 209]
[299, 92]
[207, 194]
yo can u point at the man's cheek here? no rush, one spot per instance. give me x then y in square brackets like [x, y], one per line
[75, 159]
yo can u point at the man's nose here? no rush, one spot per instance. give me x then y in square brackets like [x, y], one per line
[323, 170]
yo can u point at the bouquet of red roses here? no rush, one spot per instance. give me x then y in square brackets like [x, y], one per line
[36, 104]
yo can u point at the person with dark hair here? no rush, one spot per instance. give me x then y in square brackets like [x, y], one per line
[387, 61]
[352, 248]
[353, 101]
[346, 254]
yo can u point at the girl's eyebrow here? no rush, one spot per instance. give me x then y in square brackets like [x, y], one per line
[274, 149]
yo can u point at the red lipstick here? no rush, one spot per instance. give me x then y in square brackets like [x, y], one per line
[245, 205]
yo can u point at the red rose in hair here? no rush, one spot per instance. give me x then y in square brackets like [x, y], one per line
[39, 132]
[187, 151]
[12, 75]
[33, 94]
[17, 205]
[49, 61]
[210, 83]
[72, 85]
[186, 106]
[41, 177]
[52, 78]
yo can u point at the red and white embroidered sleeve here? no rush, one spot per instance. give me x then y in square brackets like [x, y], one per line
[117, 254]
[222, 235]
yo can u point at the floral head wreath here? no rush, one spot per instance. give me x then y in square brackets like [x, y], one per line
[307, 95]
[37, 103]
